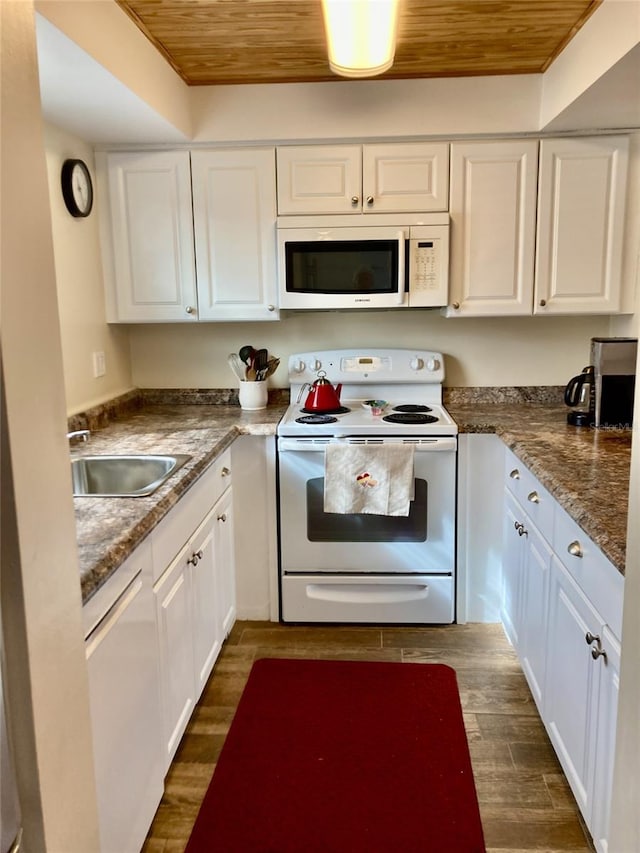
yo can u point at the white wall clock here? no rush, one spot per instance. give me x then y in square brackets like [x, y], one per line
[77, 188]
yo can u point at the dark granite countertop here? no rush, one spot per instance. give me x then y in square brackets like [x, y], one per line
[109, 529]
[586, 471]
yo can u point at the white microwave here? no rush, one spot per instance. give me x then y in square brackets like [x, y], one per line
[331, 262]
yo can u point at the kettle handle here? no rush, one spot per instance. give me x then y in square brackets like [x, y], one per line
[572, 391]
[305, 386]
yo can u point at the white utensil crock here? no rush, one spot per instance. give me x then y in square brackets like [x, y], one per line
[253, 395]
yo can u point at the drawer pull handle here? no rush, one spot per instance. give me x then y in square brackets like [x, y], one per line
[195, 558]
[515, 474]
[597, 651]
[534, 497]
[225, 472]
[575, 549]
[522, 530]
[222, 517]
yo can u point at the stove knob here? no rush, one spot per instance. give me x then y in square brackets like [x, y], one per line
[433, 364]
[416, 364]
[315, 364]
[298, 367]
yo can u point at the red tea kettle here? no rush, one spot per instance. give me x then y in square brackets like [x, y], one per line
[322, 396]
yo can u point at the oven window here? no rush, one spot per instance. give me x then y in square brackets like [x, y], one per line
[349, 266]
[355, 527]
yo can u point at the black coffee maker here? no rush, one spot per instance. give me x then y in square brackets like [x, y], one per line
[614, 378]
[580, 395]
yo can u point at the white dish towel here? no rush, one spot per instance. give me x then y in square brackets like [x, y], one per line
[369, 479]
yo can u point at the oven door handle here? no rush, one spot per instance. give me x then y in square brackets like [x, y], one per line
[420, 445]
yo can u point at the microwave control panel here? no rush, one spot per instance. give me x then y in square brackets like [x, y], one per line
[429, 268]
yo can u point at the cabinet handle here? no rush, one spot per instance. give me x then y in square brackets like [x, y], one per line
[370, 200]
[517, 524]
[222, 517]
[225, 472]
[455, 305]
[195, 558]
[543, 302]
[575, 549]
[590, 638]
[190, 309]
[271, 307]
[598, 653]
[354, 200]
[522, 530]
[533, 497]
[515, 474]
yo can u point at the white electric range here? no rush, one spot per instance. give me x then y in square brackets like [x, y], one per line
[368, 568]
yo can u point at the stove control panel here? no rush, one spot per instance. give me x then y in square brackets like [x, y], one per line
[368, 366]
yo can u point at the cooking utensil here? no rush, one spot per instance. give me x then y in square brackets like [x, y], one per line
[272, 366]
[237, 365]
[260, 362]
[247, 354]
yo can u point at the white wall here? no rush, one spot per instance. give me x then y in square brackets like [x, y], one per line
[504, 351]
[366, 109]
[81, 291]
[47, 684]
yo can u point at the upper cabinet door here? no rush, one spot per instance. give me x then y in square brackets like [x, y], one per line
[581, 208]
[319, 179]
[493, 215]
[148, 255]
[405, 177]
[234, 209]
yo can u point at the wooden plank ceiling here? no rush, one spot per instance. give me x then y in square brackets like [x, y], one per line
[211, 42]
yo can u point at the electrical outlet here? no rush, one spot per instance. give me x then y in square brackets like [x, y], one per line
[99, 364]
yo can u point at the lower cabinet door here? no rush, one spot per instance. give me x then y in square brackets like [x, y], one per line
[604, 738]
[572, 682]
[174, 615]
[535, 603]
[225, 562]
[207, 637]
[125, 715]
[512, 558]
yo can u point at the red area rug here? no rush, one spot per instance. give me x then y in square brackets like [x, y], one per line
[343, 757]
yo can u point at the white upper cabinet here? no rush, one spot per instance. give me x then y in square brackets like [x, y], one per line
[148, 249]
[493, 216]
[581, 208]
[234, 210]
[319, 179]
[376, 178]
[152, 273]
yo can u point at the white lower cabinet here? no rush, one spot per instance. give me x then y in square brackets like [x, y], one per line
[122, 661]
[562, 610]
[526, 565]
[195, 596]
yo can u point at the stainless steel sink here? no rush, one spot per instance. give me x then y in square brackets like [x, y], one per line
[133, 476]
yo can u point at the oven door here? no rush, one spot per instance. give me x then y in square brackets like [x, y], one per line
[314, 541]
[367, 568]
[329, 268]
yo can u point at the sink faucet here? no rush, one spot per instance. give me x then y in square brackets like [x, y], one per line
[82, 434]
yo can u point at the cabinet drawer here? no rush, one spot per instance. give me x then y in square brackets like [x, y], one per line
[176, 528]
[530, 494]
[600, 581]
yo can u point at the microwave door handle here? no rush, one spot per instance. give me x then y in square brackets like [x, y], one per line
[401, 294]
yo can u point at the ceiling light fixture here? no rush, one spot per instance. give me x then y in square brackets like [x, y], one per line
[361, 35]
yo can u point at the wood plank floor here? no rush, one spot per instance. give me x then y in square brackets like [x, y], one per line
[525, 802]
